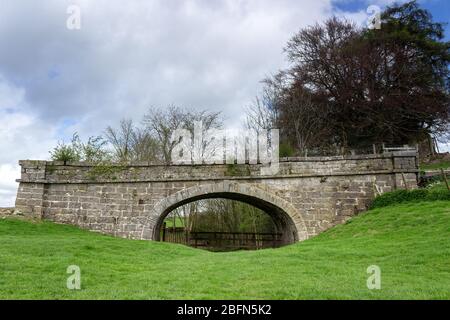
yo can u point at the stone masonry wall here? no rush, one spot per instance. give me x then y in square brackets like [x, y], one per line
[312, 194]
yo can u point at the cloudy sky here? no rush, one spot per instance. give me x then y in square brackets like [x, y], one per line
[130, 55]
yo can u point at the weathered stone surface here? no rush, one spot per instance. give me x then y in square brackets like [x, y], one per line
[306, 197]
[4, 212]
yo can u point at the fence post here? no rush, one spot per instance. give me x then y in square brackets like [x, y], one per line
[164, 232]
[445, 178]
[404, 181]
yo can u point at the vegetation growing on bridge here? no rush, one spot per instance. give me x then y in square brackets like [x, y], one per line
[105, 171]
[234, 170]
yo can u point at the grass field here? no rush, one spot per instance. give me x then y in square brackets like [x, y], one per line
[409, 242]
[178, 222]
[435, 166]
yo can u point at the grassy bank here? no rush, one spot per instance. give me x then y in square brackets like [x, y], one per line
[410, 242]
[435, 166]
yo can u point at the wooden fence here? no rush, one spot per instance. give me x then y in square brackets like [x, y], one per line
[174, 235]
[234, 240]
[222, 240]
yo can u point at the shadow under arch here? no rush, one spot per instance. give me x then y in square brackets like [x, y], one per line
[285, 217]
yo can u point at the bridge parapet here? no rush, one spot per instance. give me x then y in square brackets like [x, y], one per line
[81, 172]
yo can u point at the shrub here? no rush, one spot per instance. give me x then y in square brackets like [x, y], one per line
[64, 152]
[94, 150]
[416, 195]
[440, 194]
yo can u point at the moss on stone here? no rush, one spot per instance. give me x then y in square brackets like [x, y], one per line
[234, 170]
[105, 171]
[51, 168]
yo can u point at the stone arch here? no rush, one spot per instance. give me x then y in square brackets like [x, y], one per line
[285, 216]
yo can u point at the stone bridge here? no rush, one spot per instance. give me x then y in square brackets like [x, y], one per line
[305, 197]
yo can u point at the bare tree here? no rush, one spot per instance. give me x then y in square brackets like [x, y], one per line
[293, 109]
[210, 121]
[303, 118]
[144, 146]
[162, 122]
[121, 139]
[131, 143]
[264, 113]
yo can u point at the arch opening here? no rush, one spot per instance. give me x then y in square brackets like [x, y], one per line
[278, 210]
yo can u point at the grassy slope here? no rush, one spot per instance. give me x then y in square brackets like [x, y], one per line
[410, 243]
[435, 166]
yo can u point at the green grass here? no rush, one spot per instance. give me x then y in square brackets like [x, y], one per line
[435, 166]
[179, 222]
[410, 242]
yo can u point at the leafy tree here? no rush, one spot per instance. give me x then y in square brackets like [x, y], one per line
[352, 87]
[410, 75]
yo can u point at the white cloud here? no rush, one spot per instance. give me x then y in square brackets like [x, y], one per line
[22, 136]
[129, 56]
[8, 186]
